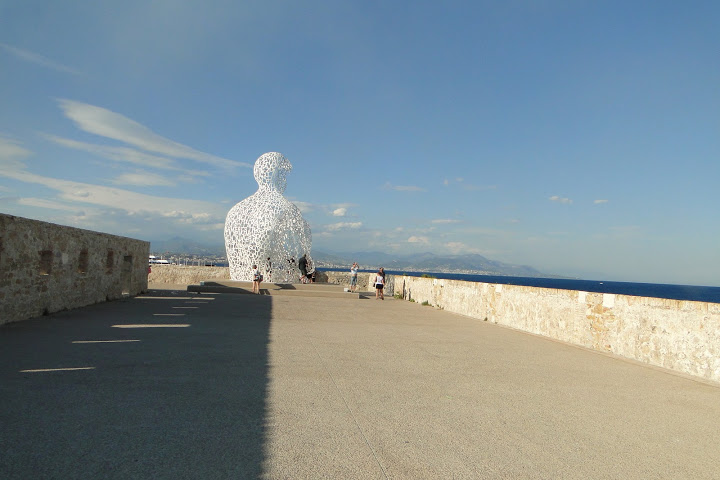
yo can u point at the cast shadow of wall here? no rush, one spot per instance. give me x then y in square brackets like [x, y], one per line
[181, 403]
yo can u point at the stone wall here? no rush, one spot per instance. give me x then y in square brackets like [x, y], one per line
[193, 275]
[45, 268]
[678, 335]
[186, 274]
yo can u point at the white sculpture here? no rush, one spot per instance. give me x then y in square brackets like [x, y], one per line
[266, 225]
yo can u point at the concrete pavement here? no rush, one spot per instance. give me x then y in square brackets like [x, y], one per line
[253, 386]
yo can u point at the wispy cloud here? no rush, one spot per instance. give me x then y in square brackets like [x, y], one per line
[339, 212]
[12, 154]
[444, 221]
[108, 124]
[126, 155]
[143, 179]
[38, 59]
[132, 203]
[402, 188]
[419, 239]
[304, 207]
[334, 227]
[558, 199]
[598, 202]
[44, 203]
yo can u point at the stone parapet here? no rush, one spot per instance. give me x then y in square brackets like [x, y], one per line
[677, 335]
[190, 275]
[45, 268]
[186, 274]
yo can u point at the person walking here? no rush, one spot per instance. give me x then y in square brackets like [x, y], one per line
[379, 284]
[353, 276]
[257, 278]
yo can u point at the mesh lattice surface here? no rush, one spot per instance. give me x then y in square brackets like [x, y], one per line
[266, 225]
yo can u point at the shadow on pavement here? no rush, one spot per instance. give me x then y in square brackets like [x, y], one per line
[182, 402]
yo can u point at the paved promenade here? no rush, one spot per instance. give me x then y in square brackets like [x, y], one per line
[222, 386]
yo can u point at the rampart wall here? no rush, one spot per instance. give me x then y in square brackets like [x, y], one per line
[45, 268]
[677, 335]
[186, 275]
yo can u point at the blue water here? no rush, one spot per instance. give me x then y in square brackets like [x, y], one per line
[676, 292]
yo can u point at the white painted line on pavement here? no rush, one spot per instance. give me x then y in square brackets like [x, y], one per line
[164, 298]
[57, 369]
[153, 325]
[104, 341]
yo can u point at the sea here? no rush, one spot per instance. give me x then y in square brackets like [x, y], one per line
[657, 290]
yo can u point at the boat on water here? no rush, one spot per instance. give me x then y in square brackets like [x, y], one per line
[153, 260]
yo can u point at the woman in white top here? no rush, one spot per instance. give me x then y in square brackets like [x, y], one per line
[379, 284]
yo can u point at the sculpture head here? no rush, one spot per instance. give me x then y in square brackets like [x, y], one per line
[271, 171]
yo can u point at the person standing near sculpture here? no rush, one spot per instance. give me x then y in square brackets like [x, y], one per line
[302, 265]
[380, 284]
[268, 269]
[257, 278]
[353, 276]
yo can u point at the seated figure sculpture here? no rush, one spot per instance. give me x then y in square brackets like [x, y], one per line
[266, 225]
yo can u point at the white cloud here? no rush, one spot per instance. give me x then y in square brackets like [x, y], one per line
[446, 182]
[597, 202]
[418, 239]
[304, 207]
[558, 199]
[108, 124]
[11, 154]
[334, 227]
[122, 200]
[143, 179]
[444, 221]
[125, 154]
[43, 203]
[339, 212]
[38, 59]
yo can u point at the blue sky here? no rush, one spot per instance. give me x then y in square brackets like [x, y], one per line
[578, 137]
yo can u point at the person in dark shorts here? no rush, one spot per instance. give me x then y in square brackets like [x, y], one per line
[302, 265]
[379, 284]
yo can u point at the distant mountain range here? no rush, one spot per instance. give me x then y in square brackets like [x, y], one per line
[421, 262]
[425, 262]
